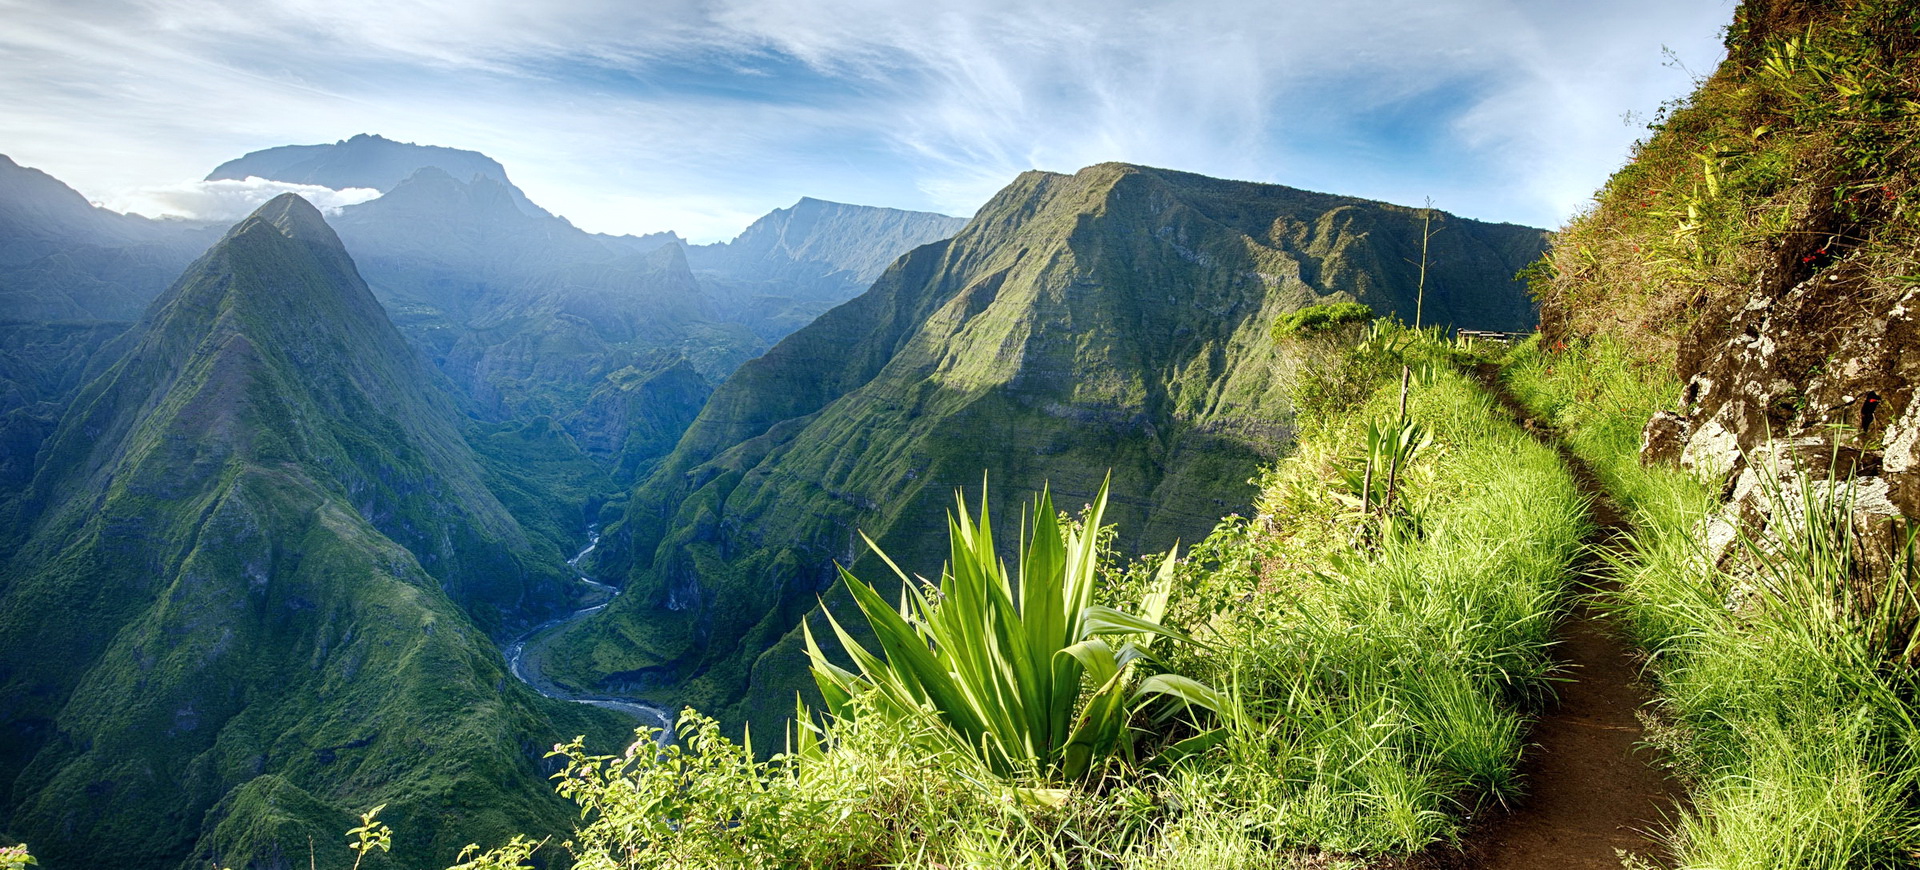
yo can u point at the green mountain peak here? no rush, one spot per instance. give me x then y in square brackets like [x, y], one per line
[1117, 321]
[258, 569]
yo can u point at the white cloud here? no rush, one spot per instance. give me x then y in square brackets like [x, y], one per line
[228, 199]
[588, 103]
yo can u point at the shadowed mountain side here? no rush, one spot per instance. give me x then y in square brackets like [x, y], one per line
[1114, 320]
[42, 366]
[240, 585]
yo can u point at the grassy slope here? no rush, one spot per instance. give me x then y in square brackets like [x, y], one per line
[1115, 320]
[1387, 687]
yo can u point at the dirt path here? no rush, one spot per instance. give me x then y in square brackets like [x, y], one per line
[1595, 792]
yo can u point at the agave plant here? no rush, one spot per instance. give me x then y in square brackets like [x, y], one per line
[1369, 484]
[1023, 672]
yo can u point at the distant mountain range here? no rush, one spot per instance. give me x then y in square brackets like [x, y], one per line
[63, 258]
[525, 313]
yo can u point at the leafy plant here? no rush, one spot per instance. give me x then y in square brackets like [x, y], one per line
[372, 834]
[1022, 672]
[16, 858]
[512, 856]
[1368, 482]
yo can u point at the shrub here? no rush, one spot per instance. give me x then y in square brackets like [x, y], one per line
[1320, 318]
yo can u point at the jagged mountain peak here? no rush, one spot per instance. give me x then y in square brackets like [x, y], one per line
[822, 241]
[287, 273]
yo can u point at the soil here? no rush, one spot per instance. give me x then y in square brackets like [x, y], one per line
[1598, 792]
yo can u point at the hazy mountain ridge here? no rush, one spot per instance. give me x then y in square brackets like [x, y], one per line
[1117, 319]
[795, 263]
[63, 258]
[263, 504]
[367, 161]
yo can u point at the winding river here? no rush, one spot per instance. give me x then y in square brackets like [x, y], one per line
[543, 634]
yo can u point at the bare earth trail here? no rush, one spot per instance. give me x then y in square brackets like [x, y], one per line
[1595, 793]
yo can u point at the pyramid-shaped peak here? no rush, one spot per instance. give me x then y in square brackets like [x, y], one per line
[295, 218]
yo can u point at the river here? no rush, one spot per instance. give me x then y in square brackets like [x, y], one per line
[543, 634]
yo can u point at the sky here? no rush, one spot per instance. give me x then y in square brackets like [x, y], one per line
[635, 116]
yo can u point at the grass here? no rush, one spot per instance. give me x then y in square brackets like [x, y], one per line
[1396, 680]
[1785, 674]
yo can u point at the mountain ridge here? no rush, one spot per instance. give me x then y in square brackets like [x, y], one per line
[1115, 321]
[261, 563]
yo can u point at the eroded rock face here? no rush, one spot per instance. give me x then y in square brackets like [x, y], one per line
[1810, 383]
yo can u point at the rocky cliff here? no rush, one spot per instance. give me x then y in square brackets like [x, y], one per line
[1761, 244]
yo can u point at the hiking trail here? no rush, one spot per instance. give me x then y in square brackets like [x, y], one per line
[1595, 791]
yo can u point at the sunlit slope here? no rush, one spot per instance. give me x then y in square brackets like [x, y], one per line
[1117, 320]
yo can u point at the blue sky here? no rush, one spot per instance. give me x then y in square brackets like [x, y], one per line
[700, 115]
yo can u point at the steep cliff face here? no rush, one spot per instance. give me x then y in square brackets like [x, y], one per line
[1114, 321]
[242, 588]
[1761, 243]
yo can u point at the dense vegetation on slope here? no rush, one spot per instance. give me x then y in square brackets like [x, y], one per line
[1738, 303]
[245, 591]
[1117, 320]
[1376, 671]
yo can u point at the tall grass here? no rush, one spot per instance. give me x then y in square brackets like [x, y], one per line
[1390, 689]
[1786, 678]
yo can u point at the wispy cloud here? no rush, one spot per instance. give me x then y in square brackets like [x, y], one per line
[689, 114]
[229, 199]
